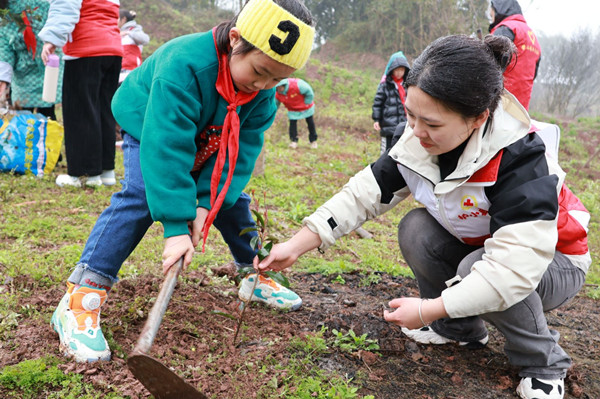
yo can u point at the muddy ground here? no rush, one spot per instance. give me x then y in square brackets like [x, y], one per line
[196, 340]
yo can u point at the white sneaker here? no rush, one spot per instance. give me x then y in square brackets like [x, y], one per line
[270, 292]
[314, 145]
[294, 145]
[108, 177]
[68, 180]
[93, 181]
[426, 335]
[535, 388]
[77, 322]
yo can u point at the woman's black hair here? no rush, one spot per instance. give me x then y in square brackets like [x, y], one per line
[295, 7]
[463, 73]
[129, 15]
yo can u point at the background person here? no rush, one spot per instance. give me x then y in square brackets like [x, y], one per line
[388, 105]
[133, 39]
[21, 68]
[500, 237]
[88, 33]
[298, 97]
[507, 20]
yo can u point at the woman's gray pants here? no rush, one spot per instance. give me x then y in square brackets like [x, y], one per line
[435, 256]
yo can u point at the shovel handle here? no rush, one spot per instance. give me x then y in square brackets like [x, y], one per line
[157, 312]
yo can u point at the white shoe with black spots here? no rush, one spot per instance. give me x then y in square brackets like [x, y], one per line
[535, 388]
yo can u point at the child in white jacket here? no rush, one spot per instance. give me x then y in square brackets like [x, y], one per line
[133, 39]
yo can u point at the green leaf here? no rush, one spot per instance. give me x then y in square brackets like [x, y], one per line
[254, 242]
[279, 278]
[262, 253]
[268, 246]
[259, 219]
[248, 230]
[224, 314]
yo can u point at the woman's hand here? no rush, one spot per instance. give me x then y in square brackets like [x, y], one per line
[285, 254]
[175, 248]
[280, 257]
[407, 312]
[196, 226]
[48, 49]
[376, 126]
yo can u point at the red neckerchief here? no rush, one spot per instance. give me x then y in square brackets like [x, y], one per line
[230, 137]
[28, 35]
[401, 91]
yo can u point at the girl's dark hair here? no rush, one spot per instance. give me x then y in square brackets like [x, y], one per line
[295, 7]
[463, 73]
[3, 4]
[129, 15]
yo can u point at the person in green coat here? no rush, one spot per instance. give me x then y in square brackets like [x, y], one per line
[194, 116]
[21, 68]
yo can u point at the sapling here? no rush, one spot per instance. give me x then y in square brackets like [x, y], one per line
[262, 243]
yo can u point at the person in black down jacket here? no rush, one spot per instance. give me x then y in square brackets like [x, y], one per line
[388, 106]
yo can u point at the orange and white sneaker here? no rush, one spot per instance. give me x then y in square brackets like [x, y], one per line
[77, 322]
[270, 292]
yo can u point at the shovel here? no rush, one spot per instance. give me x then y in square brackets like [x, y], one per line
[155, 376]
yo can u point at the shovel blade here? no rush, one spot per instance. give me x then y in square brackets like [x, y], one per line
[159, 380]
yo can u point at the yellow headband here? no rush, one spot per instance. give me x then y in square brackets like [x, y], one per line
[276, 32]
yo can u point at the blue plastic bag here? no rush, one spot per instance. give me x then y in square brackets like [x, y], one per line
[29, 143]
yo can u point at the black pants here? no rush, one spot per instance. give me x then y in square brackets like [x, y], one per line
[89, 84]
[312, 131]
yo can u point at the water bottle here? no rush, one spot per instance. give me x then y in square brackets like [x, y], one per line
[51, 79]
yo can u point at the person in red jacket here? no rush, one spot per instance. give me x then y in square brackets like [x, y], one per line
[507, 20]
[88, 32]
[297, 96]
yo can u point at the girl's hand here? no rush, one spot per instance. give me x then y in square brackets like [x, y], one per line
[175, 248]
[407, 312]
[376, 126]
[196, 225]
[48, 49]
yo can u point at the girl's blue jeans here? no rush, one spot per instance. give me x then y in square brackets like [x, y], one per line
[122, 225]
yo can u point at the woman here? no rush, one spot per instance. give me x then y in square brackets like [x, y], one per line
[500, 239]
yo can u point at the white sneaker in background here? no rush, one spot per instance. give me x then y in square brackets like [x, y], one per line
[68, 180]
[108, 177]
[294, 145]
[314, 145]
[93, 181]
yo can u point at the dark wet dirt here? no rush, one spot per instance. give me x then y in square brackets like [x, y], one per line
[195, 339]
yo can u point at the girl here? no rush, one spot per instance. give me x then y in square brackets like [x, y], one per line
[194, 114]
[133, 39]
[297, 96]
[500, 239]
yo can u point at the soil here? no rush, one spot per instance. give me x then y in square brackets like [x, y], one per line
[195, 339]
